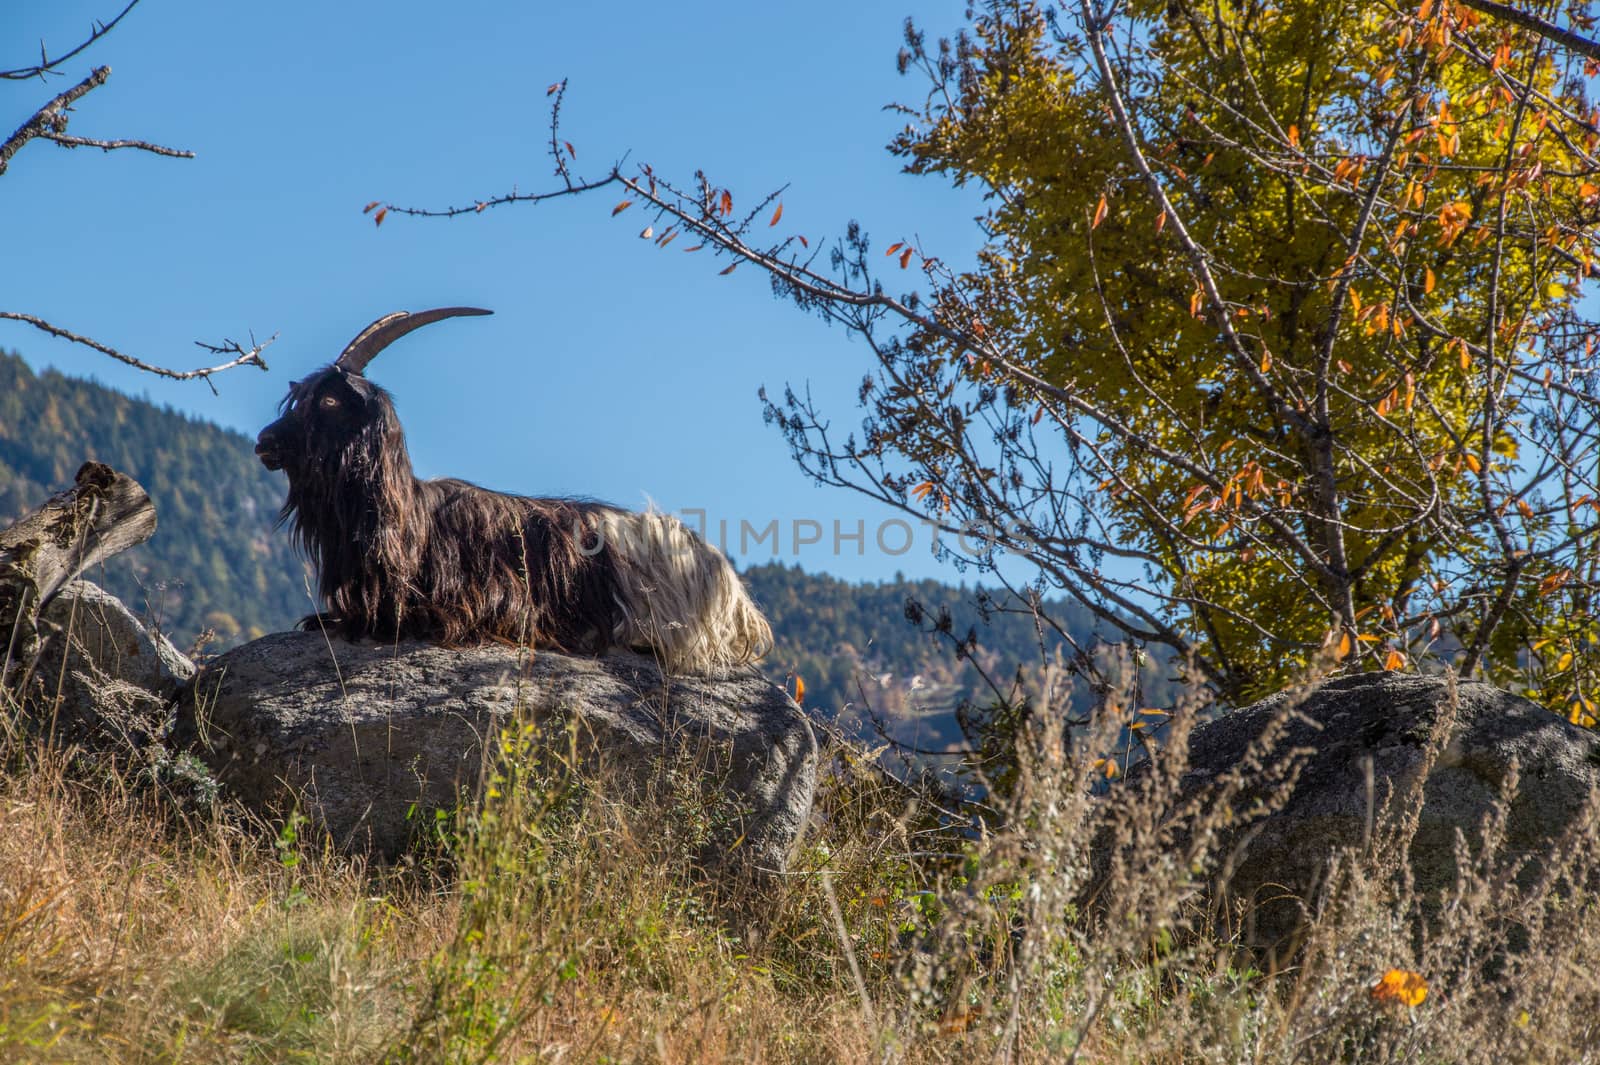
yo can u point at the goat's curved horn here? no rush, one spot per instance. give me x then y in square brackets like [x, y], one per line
[391, 327]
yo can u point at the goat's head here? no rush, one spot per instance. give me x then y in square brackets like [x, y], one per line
[337, 407]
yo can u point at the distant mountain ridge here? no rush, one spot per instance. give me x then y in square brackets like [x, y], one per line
[218, 563]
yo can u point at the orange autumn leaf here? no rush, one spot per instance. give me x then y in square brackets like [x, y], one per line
[1453, 218]
[1294, 136]
[1394, 660]
[896, 246]
[728, 269]
[799, 689]
[619, 208]
[1427, 282]
[368, 208]
[1402, 986]
[1554, 582]
[1099, 212]
[727, 202]
[377, 219]
[1161, 221]
[1345, 646]
[777, 214]
[905, 258]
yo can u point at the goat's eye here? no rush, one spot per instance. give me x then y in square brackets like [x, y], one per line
[329, 402]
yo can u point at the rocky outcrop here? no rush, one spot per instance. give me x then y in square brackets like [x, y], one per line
[101, 677]
[363, 737]
[1361, 743]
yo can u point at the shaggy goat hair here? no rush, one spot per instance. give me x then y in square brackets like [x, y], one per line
[398, 557]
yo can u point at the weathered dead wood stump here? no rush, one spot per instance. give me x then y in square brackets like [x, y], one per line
[102, 514]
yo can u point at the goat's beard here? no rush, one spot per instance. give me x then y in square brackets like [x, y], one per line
[357, 518]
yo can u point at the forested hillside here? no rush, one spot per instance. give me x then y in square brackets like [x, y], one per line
[218, 563]
[215, 561]
[854, 642]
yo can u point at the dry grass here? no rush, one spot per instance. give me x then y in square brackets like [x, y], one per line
[557, 926]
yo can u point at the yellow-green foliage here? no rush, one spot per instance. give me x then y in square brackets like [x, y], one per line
[1314, 153]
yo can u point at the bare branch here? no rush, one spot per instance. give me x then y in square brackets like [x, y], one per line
[51, 118]
[50, 123]
[576, 188]
[67, 141]
[241, 355]
[47, 65]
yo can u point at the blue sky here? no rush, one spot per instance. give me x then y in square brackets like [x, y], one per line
[611, 369]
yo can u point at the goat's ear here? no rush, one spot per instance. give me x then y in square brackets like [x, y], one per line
[358, 389]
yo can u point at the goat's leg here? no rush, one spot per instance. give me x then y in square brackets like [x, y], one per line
[317, 622]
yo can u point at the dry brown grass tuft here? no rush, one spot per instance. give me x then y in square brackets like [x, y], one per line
[131, 932]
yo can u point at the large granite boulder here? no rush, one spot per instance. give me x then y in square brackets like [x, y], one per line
[1383, 722]
[362, 737]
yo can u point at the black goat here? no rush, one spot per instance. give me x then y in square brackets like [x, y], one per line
[398, 557]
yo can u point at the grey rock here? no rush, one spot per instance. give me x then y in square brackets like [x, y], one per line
[102, 676]
[1385, 720]
[364, 736]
